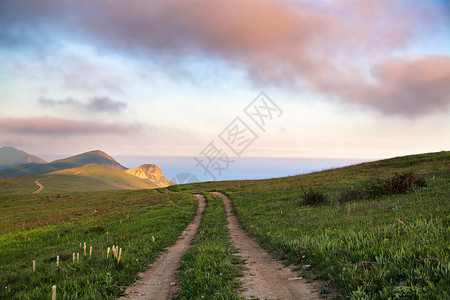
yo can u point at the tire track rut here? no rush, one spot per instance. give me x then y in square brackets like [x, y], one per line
[265, 277]
[159, 282]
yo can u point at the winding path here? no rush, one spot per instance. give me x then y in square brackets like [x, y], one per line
[159, 282]
[41, 187]
[265, 277]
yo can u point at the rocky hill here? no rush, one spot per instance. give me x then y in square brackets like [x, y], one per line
[150, 172]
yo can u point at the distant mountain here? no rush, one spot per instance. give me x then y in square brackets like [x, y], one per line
[92, 157]
[150, 172]
[10, 156]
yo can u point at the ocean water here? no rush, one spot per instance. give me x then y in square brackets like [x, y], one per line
[181, 169]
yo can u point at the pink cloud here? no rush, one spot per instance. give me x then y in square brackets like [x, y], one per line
[410, 86]
[298, 45]
[327, 46]
[48, 125]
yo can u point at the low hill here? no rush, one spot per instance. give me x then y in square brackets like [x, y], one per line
[90, 177]
[26, 169]
[92, 157]
[150, 172]
[10, 156]
[94, 177]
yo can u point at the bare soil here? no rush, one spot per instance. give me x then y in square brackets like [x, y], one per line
[41, 187]
[159, 282]
[265, 277]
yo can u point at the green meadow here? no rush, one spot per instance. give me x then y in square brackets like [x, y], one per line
[371, 246]
[377, 230]
[41, 227]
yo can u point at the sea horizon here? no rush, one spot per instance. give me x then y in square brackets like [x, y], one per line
[240, 168]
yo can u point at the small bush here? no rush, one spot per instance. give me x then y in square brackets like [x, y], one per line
[312, 197]
[400, 183]
[352, 195]
[376, 187]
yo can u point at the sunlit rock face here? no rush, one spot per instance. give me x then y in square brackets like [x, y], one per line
[150, 172]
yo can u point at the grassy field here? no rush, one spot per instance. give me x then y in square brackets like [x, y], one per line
[370, 242]
[371, 247]
[41, 227]
[209, 269]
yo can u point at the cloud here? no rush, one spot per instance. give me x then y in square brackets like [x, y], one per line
[58, 126]
[408, 86]
[93, 105]
[338, 48]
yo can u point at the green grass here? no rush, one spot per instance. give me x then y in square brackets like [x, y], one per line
[127, 219]
[384, 247]
[361, 246]
[209, 269]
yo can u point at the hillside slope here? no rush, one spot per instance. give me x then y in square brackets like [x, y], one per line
[348, 225]
[91, 177]
[92, 157]
[10, 156]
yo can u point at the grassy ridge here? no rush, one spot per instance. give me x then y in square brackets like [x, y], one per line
[209, 268]
[92, 177]
[126, 219]
[360, 245]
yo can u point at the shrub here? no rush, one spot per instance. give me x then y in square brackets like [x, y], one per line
[376, 187]
[400, 183]
[312, 197]
[352, 195]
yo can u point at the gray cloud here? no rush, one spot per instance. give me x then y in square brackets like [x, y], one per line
[93, 105]
[327, 47]
[58, 126]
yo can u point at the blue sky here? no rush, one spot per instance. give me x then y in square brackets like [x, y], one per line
[354, 79]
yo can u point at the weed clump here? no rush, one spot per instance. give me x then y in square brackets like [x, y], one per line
[98, 229]
[313, 197]
[376, 187]
[352, 195]
[64, 255]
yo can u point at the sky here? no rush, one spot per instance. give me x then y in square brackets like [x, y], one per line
[345, 79]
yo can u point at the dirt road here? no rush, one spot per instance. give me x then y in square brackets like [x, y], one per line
[159, 281]
[265, 277]
[41, 187]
